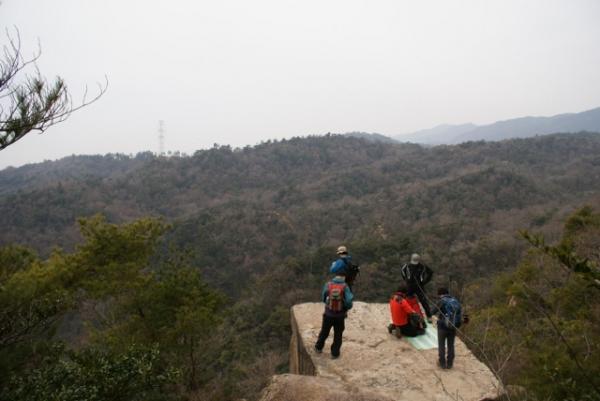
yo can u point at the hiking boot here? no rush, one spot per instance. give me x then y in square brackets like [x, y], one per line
[390, 328]
[442, 365]
[317, 350]
[335, 356]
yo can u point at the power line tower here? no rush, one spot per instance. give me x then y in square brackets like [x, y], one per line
[161, 138]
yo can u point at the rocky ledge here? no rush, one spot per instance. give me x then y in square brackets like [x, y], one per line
[374, 365]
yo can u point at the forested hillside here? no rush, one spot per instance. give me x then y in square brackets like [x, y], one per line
[199, 294]
[539, 325]
[246, 209]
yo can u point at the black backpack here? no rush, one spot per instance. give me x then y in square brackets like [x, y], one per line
[352, 271]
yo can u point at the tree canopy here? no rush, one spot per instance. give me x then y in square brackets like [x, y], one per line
[140, 326]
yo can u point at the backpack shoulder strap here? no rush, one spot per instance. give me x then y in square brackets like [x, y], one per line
[443, 305]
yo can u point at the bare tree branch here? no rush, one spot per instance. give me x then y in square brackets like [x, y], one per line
[32, 103]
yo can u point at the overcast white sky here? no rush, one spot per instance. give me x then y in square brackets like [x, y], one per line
[238, 72]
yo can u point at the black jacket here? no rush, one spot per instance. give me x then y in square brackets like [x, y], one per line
[416, 274]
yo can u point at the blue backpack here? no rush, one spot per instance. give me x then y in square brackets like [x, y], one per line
[451, 312]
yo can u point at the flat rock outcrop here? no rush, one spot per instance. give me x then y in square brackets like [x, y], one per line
[374, 365]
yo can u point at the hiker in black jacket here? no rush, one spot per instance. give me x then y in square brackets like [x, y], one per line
[417, 275]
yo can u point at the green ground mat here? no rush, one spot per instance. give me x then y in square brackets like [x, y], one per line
[428, 340]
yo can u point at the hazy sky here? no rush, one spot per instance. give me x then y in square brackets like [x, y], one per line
[238, 72]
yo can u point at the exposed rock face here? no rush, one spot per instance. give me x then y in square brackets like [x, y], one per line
[313, 388]
[374, 365]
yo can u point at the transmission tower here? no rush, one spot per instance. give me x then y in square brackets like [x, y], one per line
[161, 138]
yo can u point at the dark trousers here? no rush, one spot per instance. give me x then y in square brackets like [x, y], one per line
[408, 330]
[338, 328]
[420, 293]
[446, 336]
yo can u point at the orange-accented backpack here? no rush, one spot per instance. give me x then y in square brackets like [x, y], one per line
[335, 296]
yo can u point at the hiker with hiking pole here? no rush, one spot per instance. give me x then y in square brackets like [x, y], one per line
[417, 275]
[450, 318]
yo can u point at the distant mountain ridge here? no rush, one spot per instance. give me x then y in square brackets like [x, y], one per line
[371, 137]
[523, 127]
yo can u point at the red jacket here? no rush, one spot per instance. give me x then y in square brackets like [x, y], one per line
[414, 303]
[400, 309]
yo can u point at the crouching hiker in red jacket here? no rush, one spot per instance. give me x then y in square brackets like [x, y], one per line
[402, 314]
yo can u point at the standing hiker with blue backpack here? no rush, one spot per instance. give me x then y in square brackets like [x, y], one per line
[337, 297]
[449, 319]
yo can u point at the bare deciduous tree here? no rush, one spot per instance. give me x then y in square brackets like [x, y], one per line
[28, 101]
